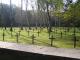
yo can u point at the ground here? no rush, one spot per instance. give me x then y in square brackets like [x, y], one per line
[10, 50]
[66, 41]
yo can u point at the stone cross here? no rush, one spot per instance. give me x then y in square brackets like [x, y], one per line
[11, 31]
[5, 27]
[33, 38]
[61, 34]
[41, 29]
[74, 37]
[28, 32]
[51, 38]
[21, 27]
[36, 27]
[19, 32]
[25, 28]
[30, 28]
[68, 29]
[56, 31]
[38, 33]
[75, 41]
[3, 36]
[65, 32]
[49, 33]
[33, 29]
[17, 37]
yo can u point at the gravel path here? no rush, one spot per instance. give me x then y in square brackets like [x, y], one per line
[64, 52]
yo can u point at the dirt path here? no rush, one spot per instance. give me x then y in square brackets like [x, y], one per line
[64, 52]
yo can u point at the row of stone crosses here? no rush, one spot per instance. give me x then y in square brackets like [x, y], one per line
[33, 37]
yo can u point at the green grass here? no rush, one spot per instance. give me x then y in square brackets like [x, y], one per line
[65, 42]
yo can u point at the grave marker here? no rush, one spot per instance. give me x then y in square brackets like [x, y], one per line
[17, 37]
[28, 32]
[61, 34]
[65, 32]
[19, 32]
[5, 28]
[41, 29]
[74, 37]
[3, 35]
[21, 28]
[36, 28]
[26, 28]
[56, 31]
[38, 33]
[33, 29]
[51, 38]
[75, 41]
[68, 29]
[11, 29]
[33, 38]
[30, 28]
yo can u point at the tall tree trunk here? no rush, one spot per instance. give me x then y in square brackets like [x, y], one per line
[49, 18]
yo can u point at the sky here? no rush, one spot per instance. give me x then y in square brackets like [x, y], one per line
[73, 1]
[18, 3]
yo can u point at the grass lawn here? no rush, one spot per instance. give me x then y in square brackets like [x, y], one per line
[66, 41]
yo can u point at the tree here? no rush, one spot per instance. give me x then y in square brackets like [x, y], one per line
[50, 5]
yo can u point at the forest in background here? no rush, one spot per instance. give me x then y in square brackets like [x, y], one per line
[48, 13]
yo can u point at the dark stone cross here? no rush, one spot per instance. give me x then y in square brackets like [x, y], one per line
[41, 29]
[5, 28]
[61, 34]
[56, 31]
[3, 36]
[21, 28]
[75, 40]
[33, 38]
[49, 33]
[74, 37]
[68, 29]
[28, 32]
[19, 32]
[65, 32]
[25, 28]
[36, 27]
[30, 28]
[11, 29]
[38, 33]
[51, 38]
[17, 37]
[33, 29]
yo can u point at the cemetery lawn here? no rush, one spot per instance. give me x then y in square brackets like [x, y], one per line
[66, 41]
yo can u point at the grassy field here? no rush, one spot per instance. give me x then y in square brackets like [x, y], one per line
[66, 41]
